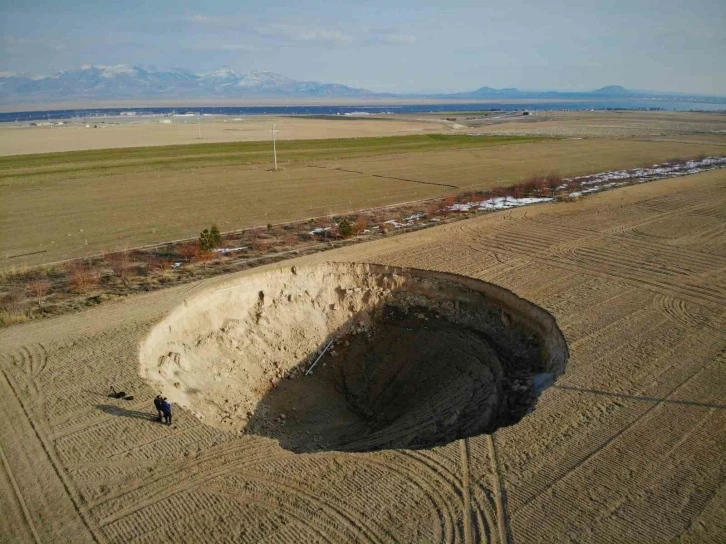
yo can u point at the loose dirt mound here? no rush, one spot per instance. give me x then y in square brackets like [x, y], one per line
[413, 358]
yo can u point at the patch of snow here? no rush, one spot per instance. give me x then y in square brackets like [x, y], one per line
[320, 230]
[225, 250]
[499, 203]
[641, 175]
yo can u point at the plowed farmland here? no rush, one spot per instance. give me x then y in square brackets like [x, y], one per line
[626, 446]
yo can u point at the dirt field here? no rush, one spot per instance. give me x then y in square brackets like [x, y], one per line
[120, 133]
[626, 446]
[62, 206]
[601, 124]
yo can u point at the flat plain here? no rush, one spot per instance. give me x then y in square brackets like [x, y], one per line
[626, 446]
[600, 124]
[136, 131]
[68, 205]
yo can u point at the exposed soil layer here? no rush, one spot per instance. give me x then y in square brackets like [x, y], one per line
[413, 358]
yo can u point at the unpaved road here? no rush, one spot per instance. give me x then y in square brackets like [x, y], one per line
[626, 447]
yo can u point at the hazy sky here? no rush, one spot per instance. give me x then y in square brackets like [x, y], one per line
[394, 45]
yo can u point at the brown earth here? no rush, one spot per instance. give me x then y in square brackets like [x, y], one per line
[626, 446]
[119, 132]
[602, 124]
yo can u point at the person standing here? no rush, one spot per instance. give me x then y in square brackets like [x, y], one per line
[157, 404]
[166, 410]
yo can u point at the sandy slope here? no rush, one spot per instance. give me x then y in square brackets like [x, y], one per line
[627, 446]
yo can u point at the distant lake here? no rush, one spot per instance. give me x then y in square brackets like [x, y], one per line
[625, 104]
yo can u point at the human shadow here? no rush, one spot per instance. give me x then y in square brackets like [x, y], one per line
[640, 398]
[123, 412]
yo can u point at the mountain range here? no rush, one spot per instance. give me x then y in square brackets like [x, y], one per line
[124, 82]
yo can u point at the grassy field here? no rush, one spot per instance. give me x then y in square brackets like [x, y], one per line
[61, 206]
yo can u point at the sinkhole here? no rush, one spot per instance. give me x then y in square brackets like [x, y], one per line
[403, 358]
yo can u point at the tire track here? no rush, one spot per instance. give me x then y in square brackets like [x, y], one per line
[499, 499]
[486, 512]
[442, 506]
[275, 507]
[647, 471]
[95, 534]
[465, 485]
[609, 441]
[677, 310]
[19, 496]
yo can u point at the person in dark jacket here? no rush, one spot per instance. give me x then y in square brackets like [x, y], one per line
[166, 410]
[157, 404]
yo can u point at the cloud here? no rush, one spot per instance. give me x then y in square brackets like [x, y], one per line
[11, 41]
[210, 20]
[394, 39]
[324, 35]
[390, 36]
[300, 34]
[286, 34]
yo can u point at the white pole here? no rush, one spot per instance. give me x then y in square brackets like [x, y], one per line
[274, 147]
[199, 128]
[319, 357]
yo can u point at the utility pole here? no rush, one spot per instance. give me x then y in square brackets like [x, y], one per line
[274, 131]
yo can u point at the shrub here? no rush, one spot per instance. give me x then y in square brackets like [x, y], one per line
[155, 263]
[434, 209]
[119, 263]
[553, 181]
[38, 289]
[204, 256]
[188, 251]
[261, 245]
[345, 229]
[13, 301]
[216, 235]
[12, 318]
[360, 224]
[210, 238]
[82, 279]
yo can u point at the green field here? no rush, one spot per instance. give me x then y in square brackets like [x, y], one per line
[180, 157]
[69, 205]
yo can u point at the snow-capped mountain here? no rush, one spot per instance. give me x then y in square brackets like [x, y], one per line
[99, 82]
[124, 82]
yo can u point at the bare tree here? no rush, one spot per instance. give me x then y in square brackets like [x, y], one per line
[360, 224]
[38, 289]
[82, 278]
[13, 301]
[119, 263]
[203, 256]
[188, 251]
